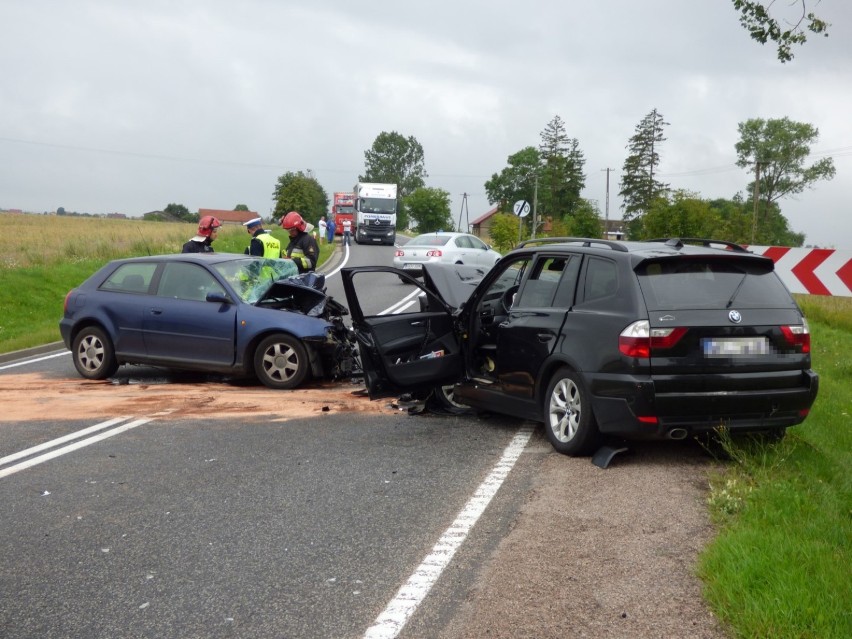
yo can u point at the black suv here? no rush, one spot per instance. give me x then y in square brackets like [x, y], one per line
[659, 339]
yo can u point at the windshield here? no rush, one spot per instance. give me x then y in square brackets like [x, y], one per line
[378, 205]
[251, 277]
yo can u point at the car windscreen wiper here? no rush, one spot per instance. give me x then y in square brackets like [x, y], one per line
[736, 291]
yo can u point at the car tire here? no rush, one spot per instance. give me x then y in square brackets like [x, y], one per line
[94, 354]
[281, 362]
[568, 418]
[443, 400]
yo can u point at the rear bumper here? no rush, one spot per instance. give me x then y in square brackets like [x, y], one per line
[634, 408]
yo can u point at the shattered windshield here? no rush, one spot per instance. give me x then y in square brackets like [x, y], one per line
[251, 277]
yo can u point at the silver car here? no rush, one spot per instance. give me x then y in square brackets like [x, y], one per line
[445, 247]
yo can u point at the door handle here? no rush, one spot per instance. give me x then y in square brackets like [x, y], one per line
[156, 311]
[544, 337]
[418, 323]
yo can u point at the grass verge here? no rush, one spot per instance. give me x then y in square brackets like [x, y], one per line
[779, 566]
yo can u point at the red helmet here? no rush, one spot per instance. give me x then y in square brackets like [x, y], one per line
[293, 221]
[207, 224]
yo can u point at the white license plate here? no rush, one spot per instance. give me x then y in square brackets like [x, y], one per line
[733, 346]
[411, 267]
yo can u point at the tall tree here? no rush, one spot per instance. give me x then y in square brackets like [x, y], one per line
[299, 192]
[430, 209]
[639, 187]
[516, 181]
[757, 19]
[241, 207]
[561, 177]
[775, 151]
[395, 159]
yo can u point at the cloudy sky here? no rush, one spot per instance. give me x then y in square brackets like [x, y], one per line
[120, 106]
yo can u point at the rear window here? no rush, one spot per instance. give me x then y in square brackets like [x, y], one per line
[706, 283]
[430, 240]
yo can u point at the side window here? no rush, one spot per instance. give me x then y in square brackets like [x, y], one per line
[463, 241]
[567, 284]
[478, 244]
[601, 279]
[502, 289]
[131, 278]
[187, 282]
[540, 288]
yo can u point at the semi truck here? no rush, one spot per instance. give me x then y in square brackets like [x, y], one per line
[343, 208]
[375, 213]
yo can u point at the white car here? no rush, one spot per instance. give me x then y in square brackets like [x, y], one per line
[449, 248]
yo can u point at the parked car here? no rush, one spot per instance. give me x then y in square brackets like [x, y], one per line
[662, 339]
[444, 247]
[215, 312]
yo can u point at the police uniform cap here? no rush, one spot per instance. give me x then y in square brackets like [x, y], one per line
[256, 221]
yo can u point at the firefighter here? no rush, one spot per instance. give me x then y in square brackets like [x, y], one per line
[208, 228]
[302, 248]
[262, 244]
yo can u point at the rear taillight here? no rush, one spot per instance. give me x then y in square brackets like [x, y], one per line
[65, 303]
[399, 253]
[798, 336]
[639, 339]
[434, 253]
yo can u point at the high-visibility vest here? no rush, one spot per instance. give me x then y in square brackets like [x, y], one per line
[271, 245]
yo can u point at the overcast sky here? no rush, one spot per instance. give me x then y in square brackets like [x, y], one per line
[120, 106]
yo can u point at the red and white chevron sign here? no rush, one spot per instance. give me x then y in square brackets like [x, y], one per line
[810, 270]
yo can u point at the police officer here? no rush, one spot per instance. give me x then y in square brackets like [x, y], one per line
[208, 228]
[302, 248]
[262, 244]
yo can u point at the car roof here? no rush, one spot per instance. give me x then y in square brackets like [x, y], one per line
[202, 258]
[647, 249]
[442, 234]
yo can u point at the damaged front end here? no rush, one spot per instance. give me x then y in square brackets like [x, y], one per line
[335, 345]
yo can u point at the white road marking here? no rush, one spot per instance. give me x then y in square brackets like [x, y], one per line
[72, 447]
[33, 361]
[400, 609]
[60, 440]
[342, 264]
[402, 304]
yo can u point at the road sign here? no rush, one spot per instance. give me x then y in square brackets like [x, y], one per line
[521, 208]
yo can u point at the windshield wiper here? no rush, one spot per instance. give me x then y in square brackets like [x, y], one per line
[736, 291]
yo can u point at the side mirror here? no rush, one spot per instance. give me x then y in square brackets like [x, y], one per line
[219, 297]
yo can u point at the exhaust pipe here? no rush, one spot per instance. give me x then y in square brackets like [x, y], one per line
[677, 433]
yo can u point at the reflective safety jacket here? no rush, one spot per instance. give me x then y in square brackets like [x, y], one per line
[270, 245]
[303, 250]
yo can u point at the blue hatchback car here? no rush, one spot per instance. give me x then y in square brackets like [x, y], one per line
[216, 312]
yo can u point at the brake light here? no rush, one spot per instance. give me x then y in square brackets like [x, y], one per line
[639, 339]
[798, 336]
[434, 253]
[399, 253]
[65, 303]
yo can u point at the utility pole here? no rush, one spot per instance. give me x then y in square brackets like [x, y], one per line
[464, 210]
[535, 206]
[606, 221]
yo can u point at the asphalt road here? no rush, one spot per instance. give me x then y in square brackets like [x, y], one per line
[205, 524]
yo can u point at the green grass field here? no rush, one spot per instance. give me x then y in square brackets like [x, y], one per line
[779, 566]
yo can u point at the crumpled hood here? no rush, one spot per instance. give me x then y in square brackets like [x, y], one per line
[453, 283]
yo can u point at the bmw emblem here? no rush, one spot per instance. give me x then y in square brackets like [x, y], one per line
[735, 317]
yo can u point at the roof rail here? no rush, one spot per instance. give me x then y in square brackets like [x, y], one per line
[584, 241]
[678, 242]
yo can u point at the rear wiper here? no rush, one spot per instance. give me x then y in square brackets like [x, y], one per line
[736, 290]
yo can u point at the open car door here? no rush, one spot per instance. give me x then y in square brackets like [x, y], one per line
[408, 345]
